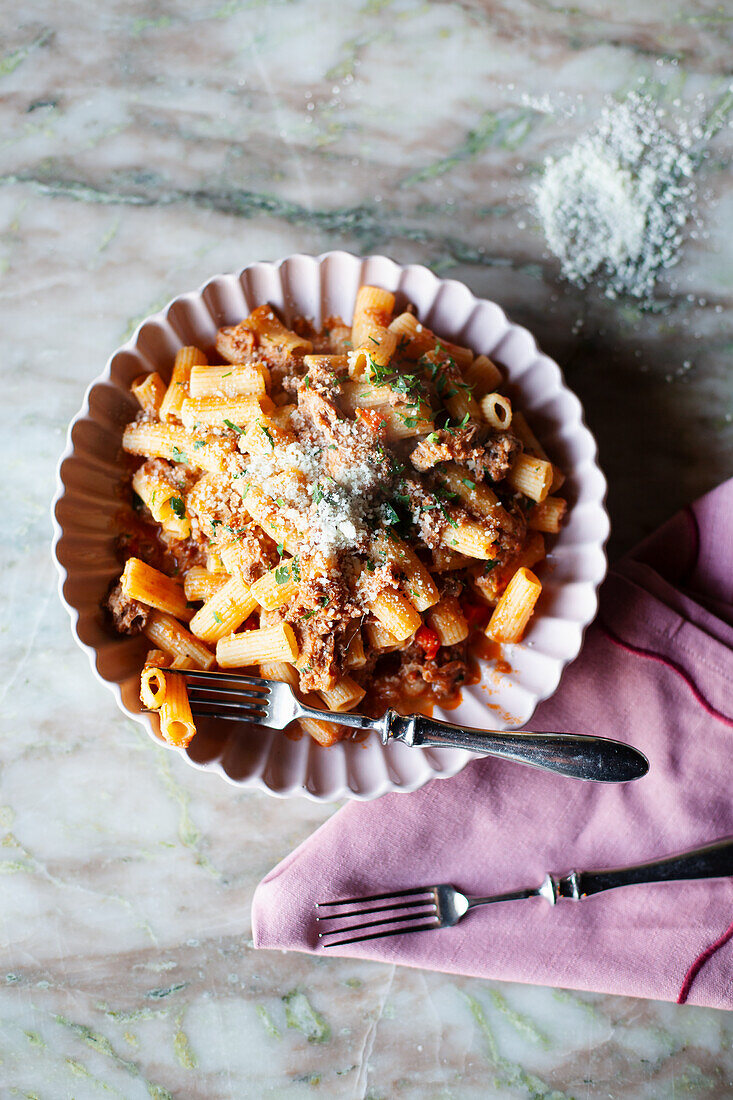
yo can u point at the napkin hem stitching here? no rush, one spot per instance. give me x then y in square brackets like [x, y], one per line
[704, 957]
[661, 659]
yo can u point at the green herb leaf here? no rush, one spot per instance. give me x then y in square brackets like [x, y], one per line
[179, 508]
[218, 618]
[233, 427]
[178, 454]
[198, 444]
[282, 574]
[469, 484]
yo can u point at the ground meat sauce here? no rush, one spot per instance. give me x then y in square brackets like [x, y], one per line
[488, 453]
[129, 616]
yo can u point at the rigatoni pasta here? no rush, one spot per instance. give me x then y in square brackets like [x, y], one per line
[336, 510]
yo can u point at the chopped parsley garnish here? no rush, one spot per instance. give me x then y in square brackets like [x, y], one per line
[390, 514]
[227, 374]
[233, 427]
[371, 565]
[374, 341]
[267, 432]
[307, 615]
[178, 454]
[468, 484]
[198, 444]
[283, 573]
[490, 564]
[179, 508]
[218, 617]
[280, 548]
[307, 381]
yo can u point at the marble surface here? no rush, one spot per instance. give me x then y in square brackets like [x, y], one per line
[145, 146]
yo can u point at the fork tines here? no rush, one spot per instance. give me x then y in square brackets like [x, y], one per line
[421, 906]
[227, 695]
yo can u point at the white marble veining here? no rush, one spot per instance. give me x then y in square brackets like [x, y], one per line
[145, 146]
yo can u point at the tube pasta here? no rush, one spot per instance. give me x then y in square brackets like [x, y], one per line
[201, 584]
[176, 721]
[399, 424]
[344, 695]
[231, 380]
[166, 633]
[223, 612]
[475, 495]
[415, 340]
[253, 647]
[156, 440]
[497, 411]
[278, 586]
[186, 358]
[269, 328]
[355, 655]
[396, 613]
[531, 476]
[159, 494]
[152, 688]
[379, 637]
[514, 609]
[149, 390]
[421, 587]
[471, 538]
[548, 515]
[482, 376]
[462, 405]
[491, 584]
[149, 586]
[265, 514]
[216, 411]
[448, 621]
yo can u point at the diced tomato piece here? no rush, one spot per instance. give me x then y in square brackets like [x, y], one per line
[373, 420]
[428, 641]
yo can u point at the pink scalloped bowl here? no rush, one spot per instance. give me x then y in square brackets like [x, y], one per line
[87, 502]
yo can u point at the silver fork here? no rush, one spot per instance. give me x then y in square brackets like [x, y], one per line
[443, 906]
[270, 703]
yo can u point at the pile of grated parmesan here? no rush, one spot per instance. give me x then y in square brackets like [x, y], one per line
[331, 514]
[614, 206]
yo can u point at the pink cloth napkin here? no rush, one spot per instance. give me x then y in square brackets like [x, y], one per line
[656, 670]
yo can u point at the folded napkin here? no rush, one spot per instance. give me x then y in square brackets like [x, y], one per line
[656, 670]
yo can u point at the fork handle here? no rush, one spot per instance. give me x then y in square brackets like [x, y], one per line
[712, 861]
[577, 755]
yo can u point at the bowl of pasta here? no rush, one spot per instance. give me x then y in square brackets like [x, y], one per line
[341, 473]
